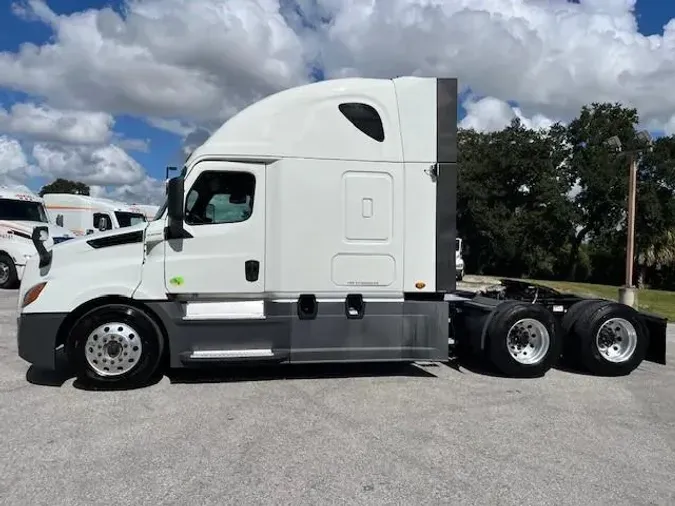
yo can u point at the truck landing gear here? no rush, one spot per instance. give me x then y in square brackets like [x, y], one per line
[115, 346]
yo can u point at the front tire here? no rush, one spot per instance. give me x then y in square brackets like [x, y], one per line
[115, 345]
[9, 278]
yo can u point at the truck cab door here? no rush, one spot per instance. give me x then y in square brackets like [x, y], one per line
[223, 250]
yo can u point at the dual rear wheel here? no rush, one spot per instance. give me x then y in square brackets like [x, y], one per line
[600, 336]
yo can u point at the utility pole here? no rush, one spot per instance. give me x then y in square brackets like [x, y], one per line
[630, 246]
[628, 293]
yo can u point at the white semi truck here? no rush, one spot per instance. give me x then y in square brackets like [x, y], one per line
[316, 225]
[20, 212]
[86, 215]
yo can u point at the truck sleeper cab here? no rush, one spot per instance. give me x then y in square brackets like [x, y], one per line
[330, 241]
[85, 215]
[317, 243]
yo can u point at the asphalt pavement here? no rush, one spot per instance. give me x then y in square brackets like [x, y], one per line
[415, 435]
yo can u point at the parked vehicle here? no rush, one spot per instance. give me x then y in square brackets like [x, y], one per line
[150, 211]
[327, 241]
[86, 215]
[459, 260]
[20, 212]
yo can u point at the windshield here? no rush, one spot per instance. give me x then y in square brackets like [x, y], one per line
[128, 219]
[22, 210]
[161, 210]
[164, 205]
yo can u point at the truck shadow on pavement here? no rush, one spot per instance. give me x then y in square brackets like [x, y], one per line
[243, 373]
[483, 368]
[267, 372]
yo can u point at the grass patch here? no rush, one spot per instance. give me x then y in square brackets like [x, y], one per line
[652, 301]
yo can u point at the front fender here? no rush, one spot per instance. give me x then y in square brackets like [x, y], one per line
[19, 252]
[78, 274]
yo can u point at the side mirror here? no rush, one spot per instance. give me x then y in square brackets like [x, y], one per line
[59, 220]
[175, 206]
[102, 224]
[238, 198]
[39, 236]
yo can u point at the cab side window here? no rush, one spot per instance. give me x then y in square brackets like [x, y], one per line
[220, 197]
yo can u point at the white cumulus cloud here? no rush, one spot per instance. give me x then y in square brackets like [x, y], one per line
[45, 123]
[490, 114]
[186, 65]
[93, 166]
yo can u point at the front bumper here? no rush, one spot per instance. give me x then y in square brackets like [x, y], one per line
[36, 338]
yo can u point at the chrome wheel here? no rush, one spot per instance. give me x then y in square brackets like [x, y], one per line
[113, 349]
[616, 340]
[528, 341]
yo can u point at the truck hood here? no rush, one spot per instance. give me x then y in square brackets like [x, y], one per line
[27, 227]
[106, 263]
[24, 229]
[80, 242]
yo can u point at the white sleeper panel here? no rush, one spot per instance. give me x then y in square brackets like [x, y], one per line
[317, 227]
[420, 229]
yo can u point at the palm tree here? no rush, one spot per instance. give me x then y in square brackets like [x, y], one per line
[658, 254]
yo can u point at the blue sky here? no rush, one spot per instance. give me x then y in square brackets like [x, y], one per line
[652, 15]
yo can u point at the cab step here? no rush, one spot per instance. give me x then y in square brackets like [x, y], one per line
[235, 355]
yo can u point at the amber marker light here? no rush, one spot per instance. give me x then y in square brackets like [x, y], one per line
[33, 293]
[420, 284]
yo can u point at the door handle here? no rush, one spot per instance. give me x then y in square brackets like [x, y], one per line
[252, 270]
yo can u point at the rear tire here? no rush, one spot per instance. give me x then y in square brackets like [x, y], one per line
[9, 278]
[115, 346]
[611, 339]
[523, 340]
[570, 345]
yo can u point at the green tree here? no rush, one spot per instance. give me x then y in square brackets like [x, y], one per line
[655, 210]
[512, 199]
[64, 186]
[601, 175]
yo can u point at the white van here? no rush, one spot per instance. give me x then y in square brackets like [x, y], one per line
[20, 213]
[85, 215]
